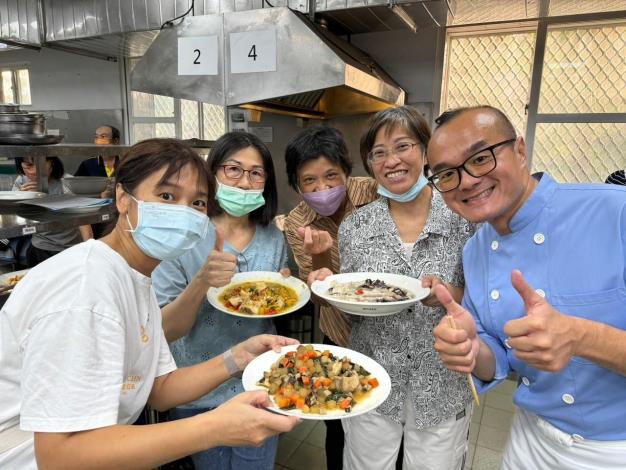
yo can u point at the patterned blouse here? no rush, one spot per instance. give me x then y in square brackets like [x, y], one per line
[361, 191]
[403, 343]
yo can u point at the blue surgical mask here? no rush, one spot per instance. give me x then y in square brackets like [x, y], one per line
[409, 195]
[166, 231]
[238, 202]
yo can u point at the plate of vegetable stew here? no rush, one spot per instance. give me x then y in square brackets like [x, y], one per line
[260, 294]
[318, 381]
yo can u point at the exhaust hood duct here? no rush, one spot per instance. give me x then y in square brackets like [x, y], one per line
[317, 75]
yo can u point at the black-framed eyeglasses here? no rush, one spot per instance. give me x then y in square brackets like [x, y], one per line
[479, 164]
[236, 172]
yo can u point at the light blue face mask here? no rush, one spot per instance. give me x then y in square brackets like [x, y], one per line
[238, 202]
[166, 231]
[409, 195]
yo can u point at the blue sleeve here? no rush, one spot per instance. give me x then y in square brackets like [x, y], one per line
[169, 279]
[498, 349]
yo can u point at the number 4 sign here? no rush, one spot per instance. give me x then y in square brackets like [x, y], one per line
[253, 51]
[197, 55]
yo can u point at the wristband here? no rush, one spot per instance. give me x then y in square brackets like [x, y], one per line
[229, 362]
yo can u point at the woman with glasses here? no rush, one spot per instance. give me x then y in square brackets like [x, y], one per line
[240, 238]
[410, 231]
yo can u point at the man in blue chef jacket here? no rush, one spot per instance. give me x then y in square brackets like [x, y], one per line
[564, 336]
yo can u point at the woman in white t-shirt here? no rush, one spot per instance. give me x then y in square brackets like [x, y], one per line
[82, 349]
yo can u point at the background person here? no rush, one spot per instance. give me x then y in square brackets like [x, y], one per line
[77, 364]
[318, 168]
[565, 338]
[47, 244]
[101, 165]
[241, 237]
[409, 231]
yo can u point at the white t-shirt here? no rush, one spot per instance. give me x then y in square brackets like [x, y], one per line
[81, 343]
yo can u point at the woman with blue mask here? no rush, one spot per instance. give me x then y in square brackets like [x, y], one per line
[410, 231]
[82, 346]
[241, 237]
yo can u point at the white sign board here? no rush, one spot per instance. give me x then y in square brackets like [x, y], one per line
[197, 55]
[253, 51]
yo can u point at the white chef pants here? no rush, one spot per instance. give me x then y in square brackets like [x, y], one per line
[372, 442]
[536, 444]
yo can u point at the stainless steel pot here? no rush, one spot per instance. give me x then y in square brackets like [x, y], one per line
[22, 123]
[9, 108]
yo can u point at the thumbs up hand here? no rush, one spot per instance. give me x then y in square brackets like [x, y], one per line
[220, 266]
[457, 346]
[544, 338]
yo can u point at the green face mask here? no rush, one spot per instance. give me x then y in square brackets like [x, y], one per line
[238, 202]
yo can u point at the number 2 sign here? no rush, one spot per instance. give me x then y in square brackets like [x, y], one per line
[253, 51]
[197, 55]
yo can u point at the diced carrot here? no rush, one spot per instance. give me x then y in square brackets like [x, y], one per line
[373, 382]
[303, 370]
[283, 402]
[306, 380]
[326, 381]
[285, 362]
[317, 384]
[345, 403]
[290, 354]
[299, 403]
[326, 353]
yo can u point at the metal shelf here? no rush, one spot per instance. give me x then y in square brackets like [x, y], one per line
[61, 150]
[17, 219]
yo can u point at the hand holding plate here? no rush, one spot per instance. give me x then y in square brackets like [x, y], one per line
[243, 421]
[247, 350]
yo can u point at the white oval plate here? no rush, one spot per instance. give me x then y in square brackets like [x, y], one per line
[411, 284]
[304, 294]
[20, 195]
[254, 372]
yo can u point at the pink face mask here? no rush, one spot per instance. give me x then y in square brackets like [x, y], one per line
[326, 202]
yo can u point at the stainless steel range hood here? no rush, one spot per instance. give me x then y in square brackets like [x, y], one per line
[317, 75]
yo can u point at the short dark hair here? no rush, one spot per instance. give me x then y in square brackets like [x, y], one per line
[115, 132]
[312, 143]
[149, 156]
[57, 170]
[502, 119]
[231, 143]
[403, 117]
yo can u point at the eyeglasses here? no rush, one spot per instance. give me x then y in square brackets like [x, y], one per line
[379, 155]
[102, 136]
[235, 172]
[479, 164]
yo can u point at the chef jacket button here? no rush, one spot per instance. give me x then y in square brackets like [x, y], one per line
[578, 437]
[567, 398]
[541, 292]
[495, 294]
[494, 245]
[506, 343]
[525, 381]
[539, 238]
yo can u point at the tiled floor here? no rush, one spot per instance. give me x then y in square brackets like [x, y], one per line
[303, 448]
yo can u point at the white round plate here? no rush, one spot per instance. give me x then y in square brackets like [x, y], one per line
[81, 210]
[254, 372]
[411, 284]
[4, 278]
[304, 294]
[20, 195]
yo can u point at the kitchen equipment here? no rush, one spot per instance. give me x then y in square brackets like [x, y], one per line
[30, 139]
[86, 184]
[22, 123]
[10, 108]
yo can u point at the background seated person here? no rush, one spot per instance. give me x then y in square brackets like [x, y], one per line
[46, 244]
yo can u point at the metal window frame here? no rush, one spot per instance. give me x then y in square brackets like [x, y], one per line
[15, 82]
[540, 26]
